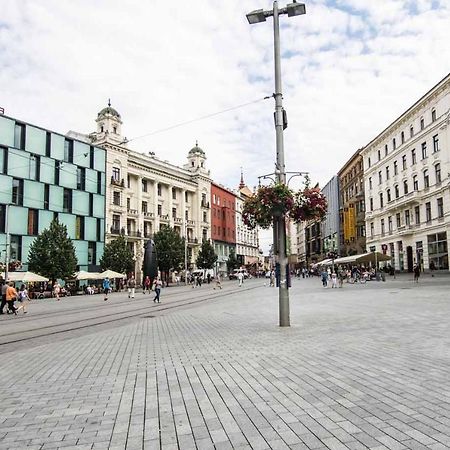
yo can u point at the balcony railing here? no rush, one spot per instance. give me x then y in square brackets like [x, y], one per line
[205, 204]
[119, 183]
[115, 230]
[164, 217]
[192, 240]
[148, 214]
[148, 235]
[178, 220]
[132, 212]
[133, 233]
[191, 222]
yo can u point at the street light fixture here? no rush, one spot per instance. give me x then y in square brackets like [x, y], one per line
[292, 9]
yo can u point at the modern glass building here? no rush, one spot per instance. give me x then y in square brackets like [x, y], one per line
[46, 175]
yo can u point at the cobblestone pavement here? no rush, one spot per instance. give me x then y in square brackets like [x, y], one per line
[363, 367]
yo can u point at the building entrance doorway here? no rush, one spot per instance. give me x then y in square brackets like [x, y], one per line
[409, 258]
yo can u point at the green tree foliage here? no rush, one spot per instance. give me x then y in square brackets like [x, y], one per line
[117, 256]
[232, 262]
[169, 248]
[52, 253]
[206, 258]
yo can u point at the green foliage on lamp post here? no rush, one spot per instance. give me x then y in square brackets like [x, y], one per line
[206, 258]
[52, 253]
[117, 256]
[169, 248]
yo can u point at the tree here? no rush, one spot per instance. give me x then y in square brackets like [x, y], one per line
[117, 256]
[232, 262]
[169, 248]
[52, 253]
[206, 258]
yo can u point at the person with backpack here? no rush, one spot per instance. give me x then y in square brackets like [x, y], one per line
[131, 286]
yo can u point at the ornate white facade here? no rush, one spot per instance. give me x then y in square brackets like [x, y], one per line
[407, 179]
[143, 192]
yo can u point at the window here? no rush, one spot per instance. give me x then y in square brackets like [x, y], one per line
[128, 181]
[381, 200]
[407, 217]
[426, 179]
[379, 155]
[34, 167]
[397, 191]
[398, 220]
[48, 143]
[390, 223]
[92, 257]
[116, 222]
[159, 190]
[422, 123]
[17, 192]
[186, 197]
[402, 136]
[174, 213]
[386, 150]
[99, 230]
[413, 156]
[371, 203]
[144, 185]
[91, 204]
[79, 227]
[33, 222]
[371, 229]
[116, 173]
[144, 207]
[67, 201]
[2, 218]
[99, 182]
[116, 198]
[428, 212]
[186, 215]
[159, 210]
[128, 203]
[46, 196]
[438, 251]
[91, 157]
[380, 178]
[417, 215]
[81, 178]
[19, 136]
[405, 187]
[433, 114]
[435, 143]
[411, 131]
[387, 172]
[424, 150]
[394, 144]
[369, 162]
[440, 207]
[388, 194]
[395, 168]
[115, 130]
[3, 160]
[68, 150]
[174, 194]
[382, 226]
[58, 166]
[415, 183]
[404, 162]
[15, 248]
[370, 182]
[437, 172]
[205, 218]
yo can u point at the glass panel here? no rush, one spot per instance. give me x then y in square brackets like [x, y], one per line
[35, 140]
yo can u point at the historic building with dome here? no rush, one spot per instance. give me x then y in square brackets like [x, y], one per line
[144, 193]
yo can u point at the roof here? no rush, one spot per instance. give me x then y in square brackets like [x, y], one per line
[196, 149]
[109, 110]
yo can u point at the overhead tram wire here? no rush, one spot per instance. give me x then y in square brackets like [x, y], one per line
[187, 122]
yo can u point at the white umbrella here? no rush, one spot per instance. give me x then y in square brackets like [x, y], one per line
[28, 277]
[83, 275]
[111, 274]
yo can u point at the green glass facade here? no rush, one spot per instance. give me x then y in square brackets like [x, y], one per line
[44, 175]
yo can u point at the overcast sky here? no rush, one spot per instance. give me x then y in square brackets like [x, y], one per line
[350, 67]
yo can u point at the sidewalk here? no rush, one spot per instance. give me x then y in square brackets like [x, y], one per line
[361, 367]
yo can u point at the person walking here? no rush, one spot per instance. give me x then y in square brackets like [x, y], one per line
[416, 273]
[3, 304]
[57, 291]
[131, 286]
[333, 280]
[240, 277]
[157, 284]
[23, 298]
[106, 287]
[218, 283]
[324, 276]
[11, 296]
[147, 285]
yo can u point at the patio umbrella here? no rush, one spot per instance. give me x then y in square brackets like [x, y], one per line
[83, 275]
[111, 274]
[28, 277]
[372, 257]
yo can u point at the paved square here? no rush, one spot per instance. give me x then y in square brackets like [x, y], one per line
[366, 366]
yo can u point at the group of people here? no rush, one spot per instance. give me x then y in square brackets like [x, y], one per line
[131, 286]
[10, 295]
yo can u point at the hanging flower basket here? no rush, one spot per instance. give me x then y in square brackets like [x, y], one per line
[278, 200]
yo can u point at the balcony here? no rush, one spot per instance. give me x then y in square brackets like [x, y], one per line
[205, 204]
[164, 217]
[117, 231]
[191, 222]
[148, 235]
[148, 214]
[192, 240]
[134, 233]
[178, 220]
[132, 212]
[118, 183]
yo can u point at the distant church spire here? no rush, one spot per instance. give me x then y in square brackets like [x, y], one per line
[242, 184]
[109, 102]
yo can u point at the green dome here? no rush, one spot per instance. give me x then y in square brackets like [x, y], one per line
[196, 149]
[109, 110]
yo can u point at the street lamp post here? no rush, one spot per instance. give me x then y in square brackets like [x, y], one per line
[185, 255]
[292, 9]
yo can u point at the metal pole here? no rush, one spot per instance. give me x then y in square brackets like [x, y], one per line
[283, 293]
[185, 256]
[8, 243]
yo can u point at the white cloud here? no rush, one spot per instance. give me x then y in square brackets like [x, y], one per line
[353, 66]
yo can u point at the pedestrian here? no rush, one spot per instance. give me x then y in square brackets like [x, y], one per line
[341, 276]
[57, 291]
[106, 288]
[131, 286]
[4, 287]
[416, 273]
[147, 285]
[11, 296]
[218, 283]
[333, 280]
[23, 299]
[240, 277]
[208, 277]
[324, 276]
[272, 278]
[157, 285]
